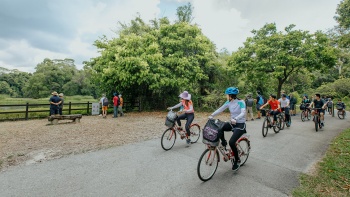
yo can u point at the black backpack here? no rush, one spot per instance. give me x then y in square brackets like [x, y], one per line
[105, 102]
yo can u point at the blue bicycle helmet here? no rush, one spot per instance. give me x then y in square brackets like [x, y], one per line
[232, 90]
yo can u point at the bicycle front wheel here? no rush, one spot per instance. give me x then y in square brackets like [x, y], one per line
[340, 114]
[316, 122]
[168, 139]
[265, 128]
[308, 115]
[243, 148]
[195, 133]
[207, 164]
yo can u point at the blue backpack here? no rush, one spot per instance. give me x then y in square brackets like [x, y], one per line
[261, 100]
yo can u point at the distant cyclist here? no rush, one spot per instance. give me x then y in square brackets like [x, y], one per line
[237, 110]
[318, 103]
[340, 105]
[285, 105]
[187, 105]
[275, 107]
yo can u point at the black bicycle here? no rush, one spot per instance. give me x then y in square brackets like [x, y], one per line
[317, 118]
[268, 123]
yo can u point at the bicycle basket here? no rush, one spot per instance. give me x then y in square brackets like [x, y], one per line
[170, 119]
[211, 132]
[339, 107]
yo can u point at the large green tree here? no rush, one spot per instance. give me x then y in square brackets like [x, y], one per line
[13, 82]
[343, 19]
[154, 61]
[50, 75]
[273, 56]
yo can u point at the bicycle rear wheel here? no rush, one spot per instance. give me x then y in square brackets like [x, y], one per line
[243, 148]
[278, 125]
[265, 128]
[195, 133]
[281, 122]
[168, 139]
[207, 164]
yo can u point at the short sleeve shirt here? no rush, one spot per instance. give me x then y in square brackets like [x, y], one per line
[283, 103]
[274, 104]
[318, 104]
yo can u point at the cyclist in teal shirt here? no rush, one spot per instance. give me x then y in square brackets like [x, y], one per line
[237, 125]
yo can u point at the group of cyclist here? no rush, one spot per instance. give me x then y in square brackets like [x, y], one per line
[237, 108]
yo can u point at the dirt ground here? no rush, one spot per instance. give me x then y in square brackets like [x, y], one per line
[27, 142]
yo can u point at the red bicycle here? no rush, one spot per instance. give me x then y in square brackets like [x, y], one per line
[210, 158]
[169, 135]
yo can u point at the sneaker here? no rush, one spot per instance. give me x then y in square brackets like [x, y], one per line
[322, 124]
[236, 165]
[252, 119]
[188, 141]
[258, 118]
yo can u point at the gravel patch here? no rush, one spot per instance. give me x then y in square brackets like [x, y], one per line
[28, 142]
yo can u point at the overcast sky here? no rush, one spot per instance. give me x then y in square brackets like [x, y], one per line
[31, 31]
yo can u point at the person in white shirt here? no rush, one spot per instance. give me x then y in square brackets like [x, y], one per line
[285, 106]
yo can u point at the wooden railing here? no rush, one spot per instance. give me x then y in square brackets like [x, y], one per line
[68, 108]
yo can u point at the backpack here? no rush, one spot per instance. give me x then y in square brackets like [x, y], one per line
[329, 104]
[250, 102]
[105, 102]
[118, 103]
[261, 100]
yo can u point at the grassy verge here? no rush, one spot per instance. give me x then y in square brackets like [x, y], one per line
[332, 175]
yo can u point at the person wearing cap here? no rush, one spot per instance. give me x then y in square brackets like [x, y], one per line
[54, 103]
[61, 104]
[188, 114]
[120, 107]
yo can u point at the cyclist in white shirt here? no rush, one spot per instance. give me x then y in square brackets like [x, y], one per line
[285, 105]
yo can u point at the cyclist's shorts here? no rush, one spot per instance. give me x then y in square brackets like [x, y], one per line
[321, 110]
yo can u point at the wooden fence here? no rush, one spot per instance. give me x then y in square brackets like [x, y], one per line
[68, 108]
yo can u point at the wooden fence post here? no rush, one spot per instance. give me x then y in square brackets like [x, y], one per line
[27, 107]
[69, 108]
[87, 110]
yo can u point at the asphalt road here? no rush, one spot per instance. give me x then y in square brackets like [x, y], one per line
[145, 169]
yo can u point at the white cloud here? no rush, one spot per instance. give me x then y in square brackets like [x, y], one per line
[62, 29]
[220, 24]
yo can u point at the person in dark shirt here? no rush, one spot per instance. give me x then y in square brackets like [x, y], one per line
[61, 104]
[55, 101]
[318, 103]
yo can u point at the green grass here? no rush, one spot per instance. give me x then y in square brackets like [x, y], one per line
[6, 100]
[332, 175]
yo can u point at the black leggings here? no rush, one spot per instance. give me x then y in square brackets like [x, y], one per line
[238, 130]
[286, 112]
[186, 116]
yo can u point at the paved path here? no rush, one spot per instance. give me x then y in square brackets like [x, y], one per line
[145, 169]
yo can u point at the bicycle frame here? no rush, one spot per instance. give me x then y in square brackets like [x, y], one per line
[221, 149]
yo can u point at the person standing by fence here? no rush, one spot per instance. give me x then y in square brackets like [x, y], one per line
[120, 107]
[61, 104]
[115, 105]
[104, 102]
[54, 104]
